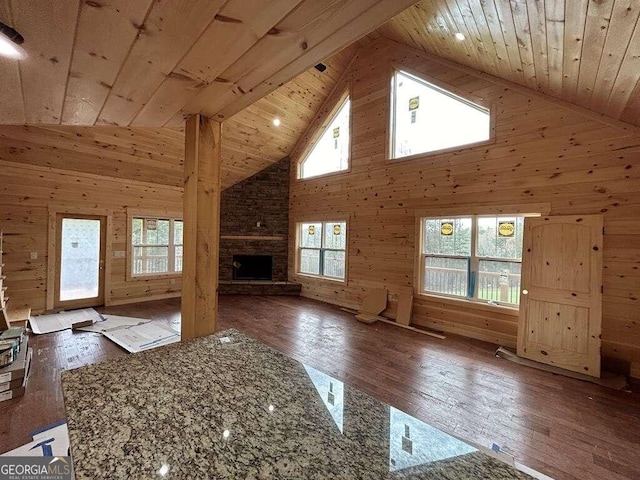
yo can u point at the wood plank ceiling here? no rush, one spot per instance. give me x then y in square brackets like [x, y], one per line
[149, 63]
[586, 52]
[144, 62]
[156, 154]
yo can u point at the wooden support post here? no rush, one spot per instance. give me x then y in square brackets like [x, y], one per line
[201, 227]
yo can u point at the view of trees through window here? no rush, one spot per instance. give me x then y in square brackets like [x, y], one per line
[156, 245]
[427, 118]
[485, 265]
[331, 151]
[322, 249]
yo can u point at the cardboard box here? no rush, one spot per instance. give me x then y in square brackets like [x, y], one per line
[9, 394]
[20, 366]
[12, 385]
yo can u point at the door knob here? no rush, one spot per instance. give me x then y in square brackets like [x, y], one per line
[525, 292]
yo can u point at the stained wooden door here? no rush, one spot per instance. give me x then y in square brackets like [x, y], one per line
[561, 297]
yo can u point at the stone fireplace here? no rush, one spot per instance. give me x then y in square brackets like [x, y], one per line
[254, 234]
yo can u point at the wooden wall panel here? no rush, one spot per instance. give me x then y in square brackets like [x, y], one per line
[46, 175]
[544, 152]
[153, 155]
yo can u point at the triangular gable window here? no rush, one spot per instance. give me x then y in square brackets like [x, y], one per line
[331, 152]
[427, 118]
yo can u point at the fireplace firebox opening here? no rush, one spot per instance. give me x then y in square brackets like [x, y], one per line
[252, 267]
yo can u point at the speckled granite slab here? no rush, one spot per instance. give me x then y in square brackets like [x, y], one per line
[228, 407]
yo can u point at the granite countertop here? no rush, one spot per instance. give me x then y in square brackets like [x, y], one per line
[227, 406]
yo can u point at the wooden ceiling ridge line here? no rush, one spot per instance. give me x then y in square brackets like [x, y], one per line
[249, 36]
[607, 120]
[325, 48]
[311, 134]
[91, 176]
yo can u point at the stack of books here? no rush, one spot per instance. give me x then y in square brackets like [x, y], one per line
[15, 360]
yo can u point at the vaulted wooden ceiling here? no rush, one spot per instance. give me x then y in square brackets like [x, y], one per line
[586, 52]
[250, 141]
[151, 63]
[148, 62]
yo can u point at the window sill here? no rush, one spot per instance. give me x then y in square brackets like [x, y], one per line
[324, 175]
[321, 277]
[475, 304]
[152, 276]
[434, 153]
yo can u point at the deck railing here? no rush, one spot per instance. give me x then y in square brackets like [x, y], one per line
[500, 287]
[150, 264]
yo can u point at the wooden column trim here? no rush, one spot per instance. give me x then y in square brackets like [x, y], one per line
[201, 227]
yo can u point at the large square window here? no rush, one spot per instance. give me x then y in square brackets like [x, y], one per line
[427, 118]
[473, 257]
[322, 249]
[156, 246]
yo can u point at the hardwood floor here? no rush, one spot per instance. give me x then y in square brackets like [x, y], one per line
[562, 427]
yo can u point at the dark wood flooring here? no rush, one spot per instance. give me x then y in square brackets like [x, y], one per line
[562, 427]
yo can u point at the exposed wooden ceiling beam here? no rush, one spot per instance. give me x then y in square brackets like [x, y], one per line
[169, 31]
[236, 29]
[306, 37]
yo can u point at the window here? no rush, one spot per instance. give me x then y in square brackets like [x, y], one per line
[156, 246]
[322, 249]
[331, 152]
[427, 118]
[475, 257]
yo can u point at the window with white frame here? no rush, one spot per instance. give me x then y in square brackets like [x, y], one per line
[427, 118]
[331, 152]
[475, 257]
[156, 246]
[322, 249]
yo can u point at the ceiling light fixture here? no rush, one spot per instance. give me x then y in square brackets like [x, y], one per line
[10, 41]
[459, 36]
[276, 122]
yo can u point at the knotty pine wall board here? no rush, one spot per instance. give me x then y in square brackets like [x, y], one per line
[544, 152]
[28, 191]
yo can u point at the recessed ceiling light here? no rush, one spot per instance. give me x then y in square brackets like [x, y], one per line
[276, 122]
[10, 41]
[459, 36]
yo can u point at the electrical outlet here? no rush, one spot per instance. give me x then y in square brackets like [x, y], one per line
[172, 281]
[119, 254]
[34, 255]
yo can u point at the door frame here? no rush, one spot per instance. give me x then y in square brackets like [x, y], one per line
[52, 246]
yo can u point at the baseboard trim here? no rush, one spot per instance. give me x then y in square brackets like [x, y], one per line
[126, 301]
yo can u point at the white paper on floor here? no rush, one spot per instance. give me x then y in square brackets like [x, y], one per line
[113, 322]
[142, 337]
[53, 442]
[56, 322]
